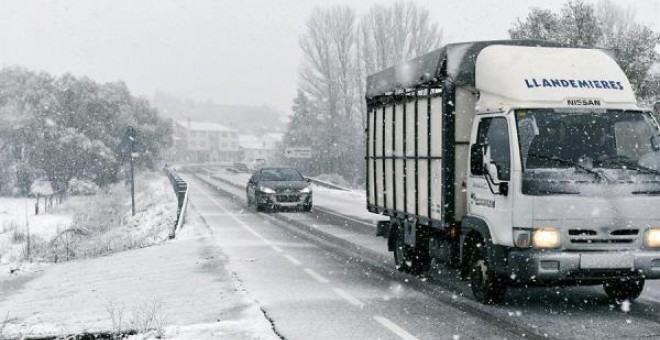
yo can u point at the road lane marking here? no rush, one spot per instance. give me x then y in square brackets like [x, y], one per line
[348, 297]
[276, 248]
[394, 328]
[233, 216]
[316, 275]
[293, 260]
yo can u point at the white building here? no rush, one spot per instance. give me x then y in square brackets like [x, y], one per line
[254, 148]
[200, 142]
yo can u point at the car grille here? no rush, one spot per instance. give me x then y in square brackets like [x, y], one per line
[603, 238]
[288, 198]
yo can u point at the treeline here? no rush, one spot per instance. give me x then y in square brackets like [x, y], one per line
[61, 128]
[340, 50]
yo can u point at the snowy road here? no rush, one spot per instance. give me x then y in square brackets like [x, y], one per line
[323, 277]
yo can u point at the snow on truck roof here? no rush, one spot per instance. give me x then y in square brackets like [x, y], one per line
[424, 70]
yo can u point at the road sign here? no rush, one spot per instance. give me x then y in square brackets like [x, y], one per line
[298, 153]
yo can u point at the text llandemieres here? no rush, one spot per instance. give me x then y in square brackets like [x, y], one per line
[573, 83]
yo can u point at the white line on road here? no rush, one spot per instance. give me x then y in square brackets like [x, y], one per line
[233, 216]
[316, 276]
[394, 328]
[277, 249]
[293, 260]
[348, 297]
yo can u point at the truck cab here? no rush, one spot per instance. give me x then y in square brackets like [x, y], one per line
[520, 162]
[564, 170]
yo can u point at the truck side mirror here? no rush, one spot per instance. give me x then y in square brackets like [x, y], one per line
[655, 142]
[477, 159]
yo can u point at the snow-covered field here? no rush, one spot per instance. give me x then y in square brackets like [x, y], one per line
[17, 219]
[85, 226]
[179, 290]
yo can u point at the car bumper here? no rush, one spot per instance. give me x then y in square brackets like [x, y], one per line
[532, 265]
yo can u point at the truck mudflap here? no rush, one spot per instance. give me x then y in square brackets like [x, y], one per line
[541, 266]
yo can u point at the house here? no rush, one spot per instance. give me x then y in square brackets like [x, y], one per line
[202, 142]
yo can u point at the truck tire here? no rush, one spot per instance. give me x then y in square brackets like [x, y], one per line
[412, 260]
[620, 290]
[487, 287]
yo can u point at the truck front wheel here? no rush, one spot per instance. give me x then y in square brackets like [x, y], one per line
[487, 287]
[621, 290]
[413, 260]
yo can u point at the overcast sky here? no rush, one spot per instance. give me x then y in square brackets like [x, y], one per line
[230, 52]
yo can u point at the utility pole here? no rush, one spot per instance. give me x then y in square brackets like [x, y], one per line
[131, 137]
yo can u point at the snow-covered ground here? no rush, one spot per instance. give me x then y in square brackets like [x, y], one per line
[179, 290]
[17, 217]
[84, 226]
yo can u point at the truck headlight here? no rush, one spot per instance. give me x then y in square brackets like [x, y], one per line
[306, 190]
[546, 238]
[266, 190]
[653, 238]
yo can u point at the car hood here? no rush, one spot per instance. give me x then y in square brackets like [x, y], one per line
[284, 186]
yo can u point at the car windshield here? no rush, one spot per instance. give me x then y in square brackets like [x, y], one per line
[281, 175]
[607, 139]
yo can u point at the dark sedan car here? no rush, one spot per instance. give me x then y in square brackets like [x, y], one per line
[279, 188]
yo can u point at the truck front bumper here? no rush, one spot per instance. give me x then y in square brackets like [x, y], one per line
[546, 266]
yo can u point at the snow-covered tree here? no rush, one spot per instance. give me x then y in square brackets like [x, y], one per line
[66, 127]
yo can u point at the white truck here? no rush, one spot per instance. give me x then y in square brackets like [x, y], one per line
[520, 162]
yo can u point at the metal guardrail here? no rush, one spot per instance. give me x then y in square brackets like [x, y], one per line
[326, 184]
[181, 190]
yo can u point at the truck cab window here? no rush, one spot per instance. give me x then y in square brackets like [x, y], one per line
[494, 132]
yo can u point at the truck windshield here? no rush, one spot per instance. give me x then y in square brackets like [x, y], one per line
[611, 139]
[562, 151]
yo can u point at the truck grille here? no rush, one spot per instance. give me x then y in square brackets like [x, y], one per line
[597, 239]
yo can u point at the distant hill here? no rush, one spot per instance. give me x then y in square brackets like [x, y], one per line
[245, 118]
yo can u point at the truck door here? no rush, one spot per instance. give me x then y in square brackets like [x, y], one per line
[488, 197]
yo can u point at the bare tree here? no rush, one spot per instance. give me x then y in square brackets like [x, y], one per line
[391, 34]
[338, 54]
[329, 77]
[395, 33]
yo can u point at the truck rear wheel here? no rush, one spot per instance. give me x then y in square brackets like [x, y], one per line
[487, 287]
[413, 260]
[621, 290]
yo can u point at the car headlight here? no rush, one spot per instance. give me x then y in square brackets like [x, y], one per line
[546, 238]
[266, 190]
[306, 190]
[653, 238]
